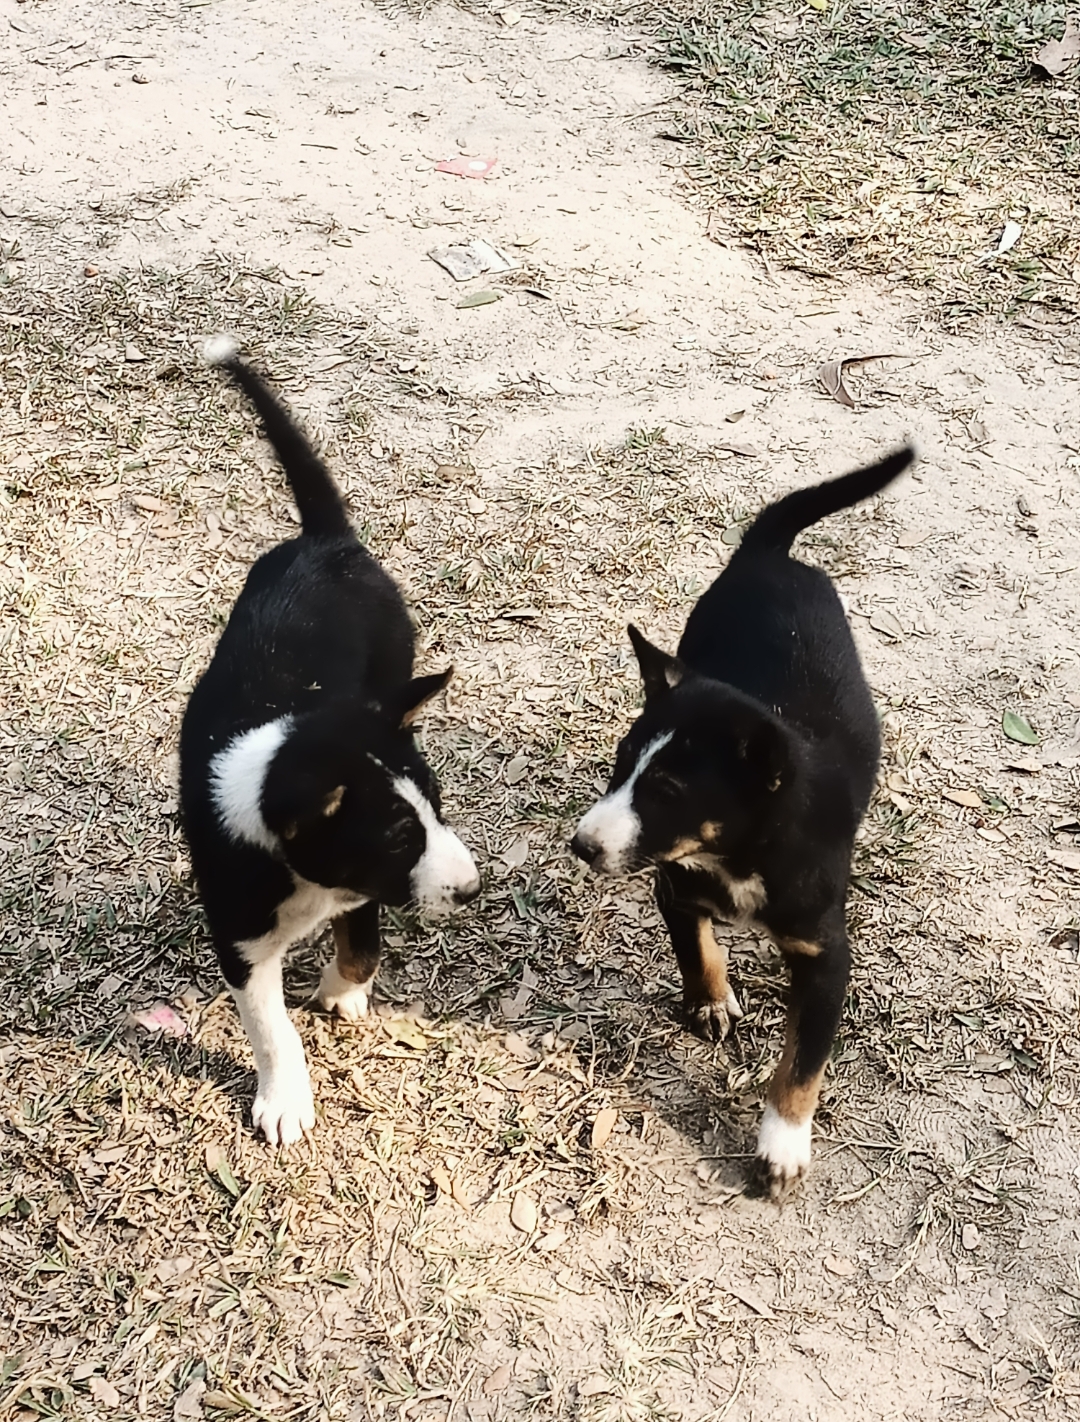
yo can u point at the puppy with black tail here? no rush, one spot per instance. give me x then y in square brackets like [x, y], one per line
[744, 781]
[304, 796]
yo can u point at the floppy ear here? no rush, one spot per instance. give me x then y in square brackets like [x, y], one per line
[411, 701]
[659, 671]
[765, 747]
[287, 809]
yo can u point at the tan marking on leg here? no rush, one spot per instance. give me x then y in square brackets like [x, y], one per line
[710, 831]
[706, 980]
[802, 946]
[353, 970]
[714, 959]
[795, 1101]
[710, 1004]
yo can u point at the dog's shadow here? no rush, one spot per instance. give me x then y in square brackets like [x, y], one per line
[643, 1056]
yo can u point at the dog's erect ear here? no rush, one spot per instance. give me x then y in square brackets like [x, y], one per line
[765, 748]
[412, 700]
[659, 671]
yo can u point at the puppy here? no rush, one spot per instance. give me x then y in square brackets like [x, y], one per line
[743, 782]
[304, 795]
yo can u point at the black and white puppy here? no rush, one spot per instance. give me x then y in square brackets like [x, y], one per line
[304, 795]
[744, 782]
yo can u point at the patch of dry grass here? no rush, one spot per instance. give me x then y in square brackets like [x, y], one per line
[155, 1251]
[880, 139]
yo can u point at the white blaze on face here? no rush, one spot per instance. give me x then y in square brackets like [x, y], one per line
[237, 777]
[612, 825]
[445, 875]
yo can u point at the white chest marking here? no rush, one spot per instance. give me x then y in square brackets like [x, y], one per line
[307, 908]
[237, 777]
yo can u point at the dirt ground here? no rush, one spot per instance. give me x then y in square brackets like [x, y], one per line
[525, 1193]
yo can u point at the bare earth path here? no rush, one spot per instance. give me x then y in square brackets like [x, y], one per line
[537, 470]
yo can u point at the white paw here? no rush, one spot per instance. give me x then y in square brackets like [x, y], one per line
[284, 1107]
[783, 1152]
[348, 999]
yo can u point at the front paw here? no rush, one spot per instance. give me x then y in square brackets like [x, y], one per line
[338, 994]
[284, 1108]
[783, 1154]
[712, 1020]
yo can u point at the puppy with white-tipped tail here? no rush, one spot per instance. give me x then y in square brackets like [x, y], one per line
[743, 782]
[305, 798]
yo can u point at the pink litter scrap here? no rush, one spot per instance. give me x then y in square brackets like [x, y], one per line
[466, 167]
[161, 1019]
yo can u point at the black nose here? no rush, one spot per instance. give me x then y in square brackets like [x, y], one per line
[466, 896]
[586, 849]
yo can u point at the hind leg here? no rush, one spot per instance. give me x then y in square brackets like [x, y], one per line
[819, 977]
[346, 981]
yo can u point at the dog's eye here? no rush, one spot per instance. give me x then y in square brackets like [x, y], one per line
[664, 786]
[398, 835]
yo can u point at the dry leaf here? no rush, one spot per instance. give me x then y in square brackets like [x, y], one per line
[554, 1239]
[595, 1386]
[516, 855]
[215, 1154]
[407, 1034]
[972, 1334]
[734, 417]
[102, 1390]
[842, 1268]
[970, 798]
[498, 1380]
[523, 1213]
[751, 1299]
[189, 1403]
[1058, 56]
[1065, 859]
[602, 1127]
[884, 621]
[912, 537]
[1025, 765]
[748, 451]
[518, 1047]
[170, 1269]
[831, 375]
[441, 1180]
[517, 769]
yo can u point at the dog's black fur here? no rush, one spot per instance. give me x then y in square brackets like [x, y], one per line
[319, 635]
[768, 753]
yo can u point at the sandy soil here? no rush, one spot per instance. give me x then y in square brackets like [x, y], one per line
[507, 460]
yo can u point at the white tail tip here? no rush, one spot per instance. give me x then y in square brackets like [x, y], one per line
[220, 350]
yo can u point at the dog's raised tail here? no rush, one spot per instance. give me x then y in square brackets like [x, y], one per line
[322, 511]
[775, 528]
